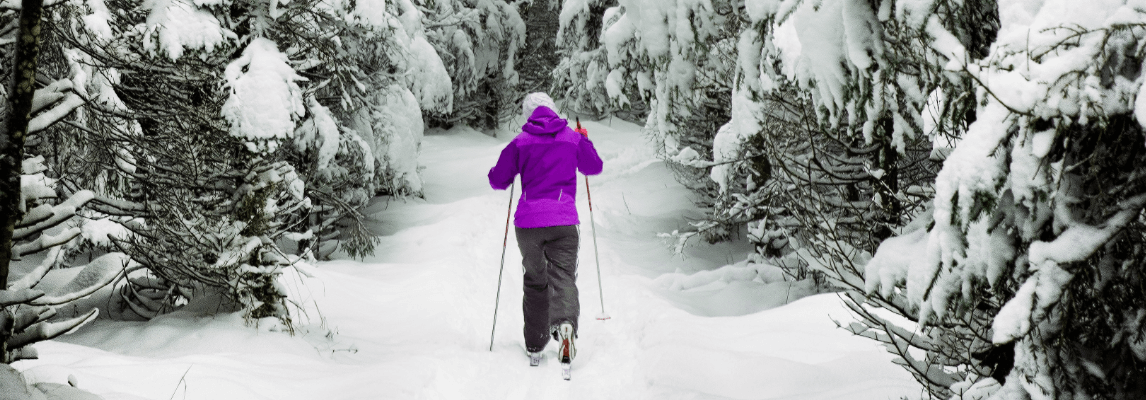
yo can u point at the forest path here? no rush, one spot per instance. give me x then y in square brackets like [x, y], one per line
[413, 321]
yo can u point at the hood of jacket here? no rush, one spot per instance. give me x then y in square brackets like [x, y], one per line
[544, 121]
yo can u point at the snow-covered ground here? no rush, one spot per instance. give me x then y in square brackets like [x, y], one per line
[413, 322]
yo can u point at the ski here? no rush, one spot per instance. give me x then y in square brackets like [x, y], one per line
[566, 369]
[535, 359]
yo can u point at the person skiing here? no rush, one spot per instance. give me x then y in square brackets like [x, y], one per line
[547, 154]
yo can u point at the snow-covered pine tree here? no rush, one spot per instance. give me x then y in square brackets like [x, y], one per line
[26, 311]
[539, 54]
[577, 80]
[362, 136]
[839, 114]
[226, 141]
[479, 41]
[1037, 229]
[853, 104]
[676, 56]
[405, 79]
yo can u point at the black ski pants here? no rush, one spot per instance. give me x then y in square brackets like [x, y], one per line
[550, 258]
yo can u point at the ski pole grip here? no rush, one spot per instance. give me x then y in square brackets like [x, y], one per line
[584, 132]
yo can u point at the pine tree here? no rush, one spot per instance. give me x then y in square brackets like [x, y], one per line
[249, 129]
[854, 106]
[539, 52]
[1037, 230]
[25, 312]
[680, 67]
[480, 42]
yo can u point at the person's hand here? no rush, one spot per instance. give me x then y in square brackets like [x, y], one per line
[584, 132]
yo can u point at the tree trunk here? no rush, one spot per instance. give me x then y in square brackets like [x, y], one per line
[887, 159]
[15, 126]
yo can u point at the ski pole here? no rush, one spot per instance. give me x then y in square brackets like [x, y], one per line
[504, 244]
[600, 288]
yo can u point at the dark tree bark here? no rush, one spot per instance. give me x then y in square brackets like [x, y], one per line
[14, 127]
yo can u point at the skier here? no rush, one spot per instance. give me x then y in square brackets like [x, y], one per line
[548, 155]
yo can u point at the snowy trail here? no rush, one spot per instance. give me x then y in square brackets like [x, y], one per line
[413, 322]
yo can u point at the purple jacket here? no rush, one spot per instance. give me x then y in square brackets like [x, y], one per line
[548, 155]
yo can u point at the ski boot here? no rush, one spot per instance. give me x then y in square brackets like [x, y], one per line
[567, 351]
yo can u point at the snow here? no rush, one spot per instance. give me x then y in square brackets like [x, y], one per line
[862, 32]
[732, 290]
[726, 144]
[822, 45]
[321, 130]
[988, 253]
[429, 81]
[100, 232]
[264, 99]
[964, 172]
[654, 20]
[1044, 288]
[91, 277]
[33, 165]
[760, 9]
[821, 34]
[35, 187]
[513, 26]
[392, 128]
[179, 23]
[616, 35]
[1030, 303]
[787, 40]
[980, 390]
[570, 9]
[413, 321]
[748, 50]
[724, 147]
[914, 12]
[688, 156]
[47, 118]
[893, 260]
[946, 44]
[50, 94]
[742, 271]
[1140, 106]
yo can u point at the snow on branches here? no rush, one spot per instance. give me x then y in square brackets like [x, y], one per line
[265, 99]
[27, 308]
[478, 42]
[232, 127]
[172, 26]
[1040, 201]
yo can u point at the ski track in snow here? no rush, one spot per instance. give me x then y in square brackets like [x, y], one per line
[413, 321]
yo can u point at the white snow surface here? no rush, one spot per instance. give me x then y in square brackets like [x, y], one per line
[413, 322]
